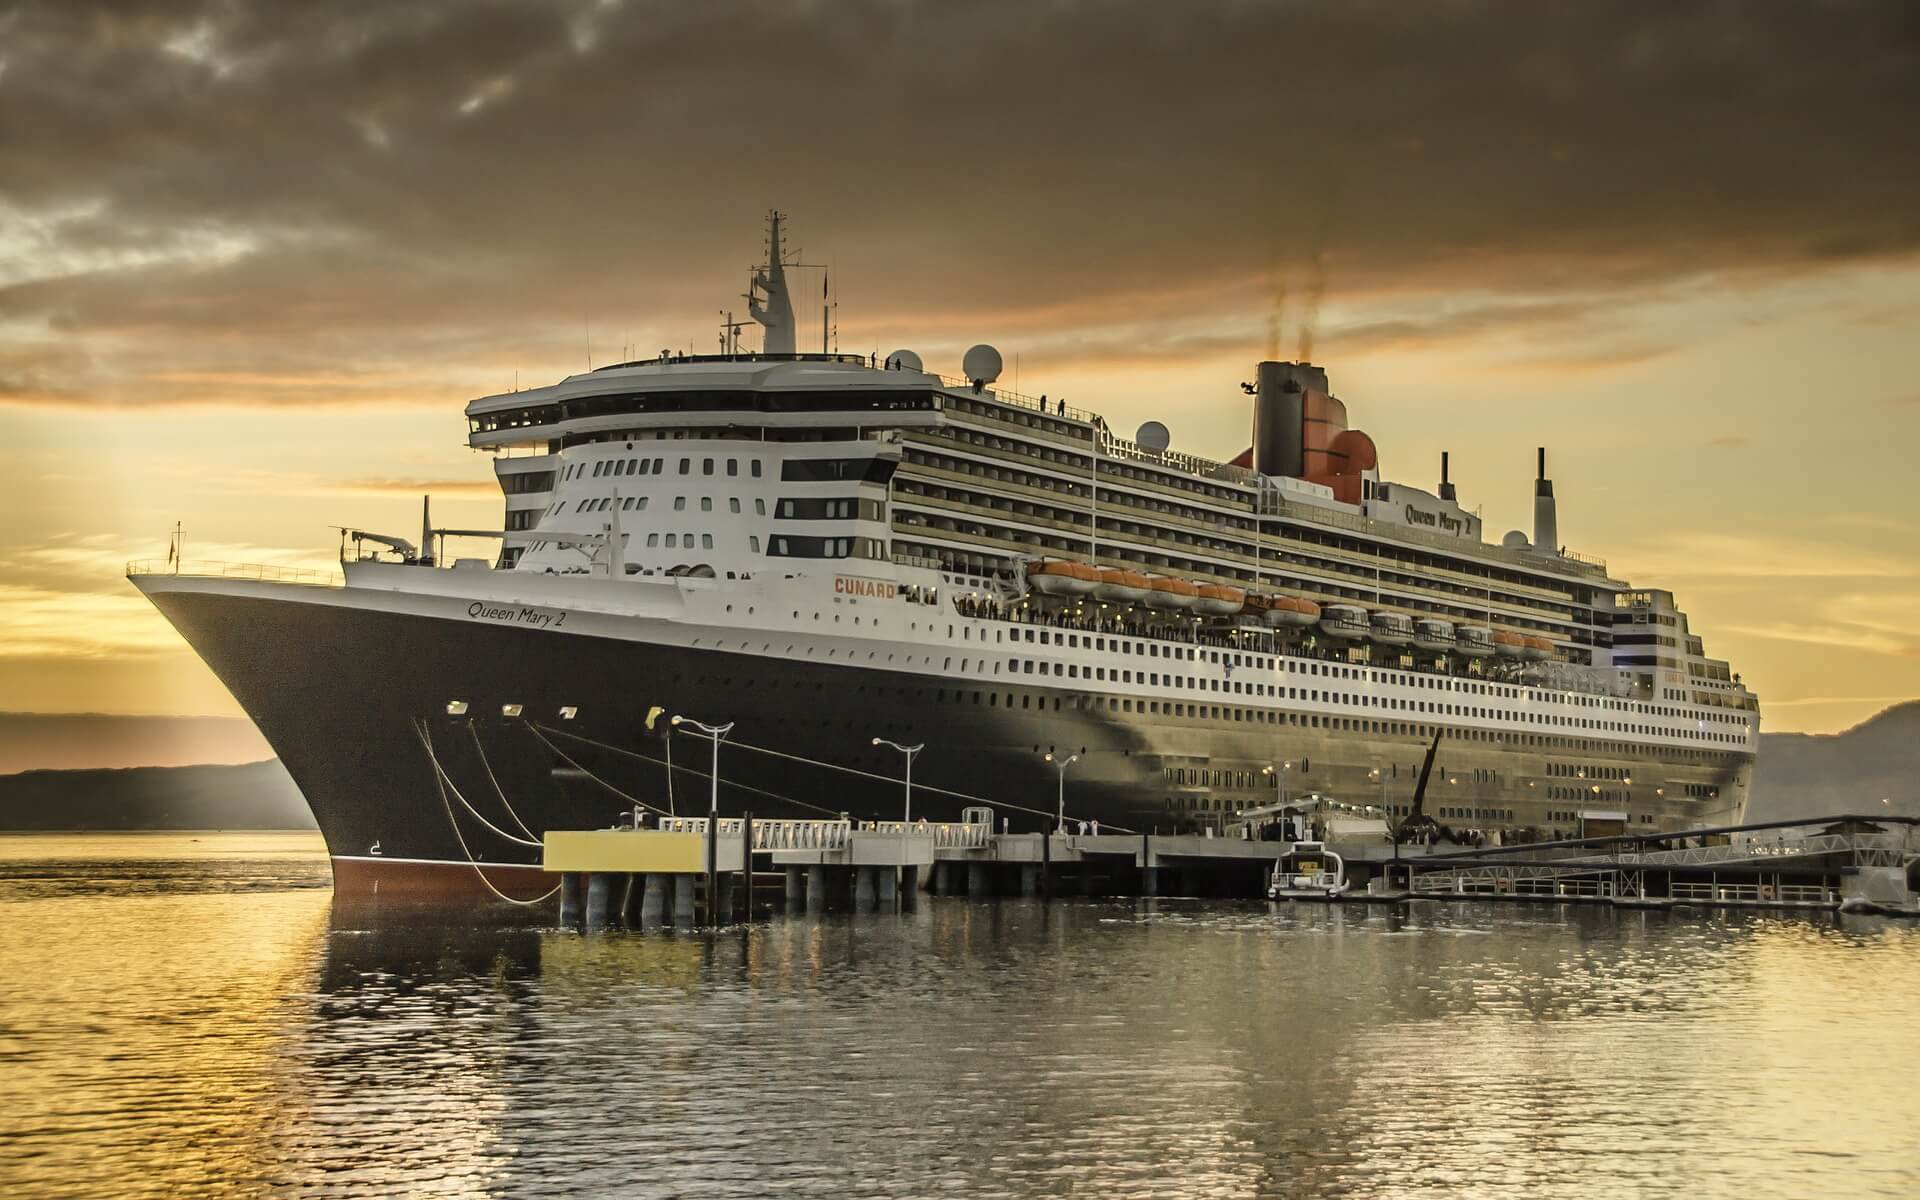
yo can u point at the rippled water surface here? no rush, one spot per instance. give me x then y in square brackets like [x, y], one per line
[195, 1016]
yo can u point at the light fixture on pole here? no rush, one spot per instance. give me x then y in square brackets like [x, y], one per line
[906, 809]
[1061, 766]
[714, 733]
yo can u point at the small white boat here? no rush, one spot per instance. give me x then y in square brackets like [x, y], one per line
[1309, 871]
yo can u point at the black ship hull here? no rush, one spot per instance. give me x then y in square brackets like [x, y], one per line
[344, 695]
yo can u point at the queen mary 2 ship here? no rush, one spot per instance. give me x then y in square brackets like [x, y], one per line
[827, 549]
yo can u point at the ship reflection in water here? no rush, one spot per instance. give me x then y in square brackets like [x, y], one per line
[180, 1017]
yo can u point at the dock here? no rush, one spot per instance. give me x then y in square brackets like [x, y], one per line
[690, 870]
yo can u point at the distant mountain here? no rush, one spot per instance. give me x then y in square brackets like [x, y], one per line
[67, 741]
[1826, 774]
[252, 796]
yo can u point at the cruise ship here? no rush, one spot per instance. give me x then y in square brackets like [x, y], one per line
[831, 552]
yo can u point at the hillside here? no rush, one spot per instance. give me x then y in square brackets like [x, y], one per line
[1823, 774]
[81, 741]
[250, 796]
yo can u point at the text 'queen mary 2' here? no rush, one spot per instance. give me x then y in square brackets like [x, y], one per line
[824, 549]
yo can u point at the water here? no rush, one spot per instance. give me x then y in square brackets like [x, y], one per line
[196, 1017]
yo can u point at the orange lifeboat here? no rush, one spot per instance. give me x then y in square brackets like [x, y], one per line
[1292, 610]
[1058, 577]
[1220, 599]
[1536, 649]
[1123, 586]
[1509, 645]
[1172, 593]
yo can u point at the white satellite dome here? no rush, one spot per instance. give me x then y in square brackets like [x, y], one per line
[1515, 540]
[904, 360]
[982, 364]
[1154, 436]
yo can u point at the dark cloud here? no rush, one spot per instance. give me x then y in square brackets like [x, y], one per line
[285, 189]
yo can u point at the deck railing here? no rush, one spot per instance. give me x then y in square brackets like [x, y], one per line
[258, 572]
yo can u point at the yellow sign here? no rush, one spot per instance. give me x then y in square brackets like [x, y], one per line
[634, 850]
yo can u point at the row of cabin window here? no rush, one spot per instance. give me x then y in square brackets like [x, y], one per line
[657, 466]
[639, 504]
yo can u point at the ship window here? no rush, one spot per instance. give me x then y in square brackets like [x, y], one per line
[706, 466]
[673, 540]
[679, 504]
[706, 541]
[733, 466]
[753, 540]
[706, 504]
[509, 710]
[759, 506]
[653, 539]
[456, 708]
[659, 466]
[733, 504]
[686, 464]
[568, 712]
[754, 468]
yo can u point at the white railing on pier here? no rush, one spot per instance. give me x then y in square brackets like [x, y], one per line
[770, 834]
[947, 835]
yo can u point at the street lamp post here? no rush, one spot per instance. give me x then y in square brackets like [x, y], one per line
[1061, 766]
[713, 733]
[1279, 787]
[906, 811]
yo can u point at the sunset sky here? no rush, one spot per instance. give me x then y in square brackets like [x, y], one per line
[254, 258]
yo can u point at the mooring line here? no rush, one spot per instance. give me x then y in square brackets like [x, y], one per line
[491, 778]
[440, 784]
[1038, 812]
[745, 787]
[574, 763]
[426, 739]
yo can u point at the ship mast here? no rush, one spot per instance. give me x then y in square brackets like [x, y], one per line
[767, 298]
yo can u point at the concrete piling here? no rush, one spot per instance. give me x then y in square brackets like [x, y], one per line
[816, 888]
[942, 878]
[886, 888]
[978, 881]
[796, 887]
[683, 886]
[653, 900]
[863, 889]
[600, 887]
[909, 886]
[570, 898]
[1029, 880]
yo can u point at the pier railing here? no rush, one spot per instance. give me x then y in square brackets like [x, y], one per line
[769, 834]
[947, 835]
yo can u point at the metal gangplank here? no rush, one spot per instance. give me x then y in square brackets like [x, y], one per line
[1819, 862]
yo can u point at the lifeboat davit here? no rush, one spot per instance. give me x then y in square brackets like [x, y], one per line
[1220, 599]
[1392, 628]
[1434, 635]
[1292, 610]
[1474, 641]
[1123, 587]
[1509, 645]
[1536, 649]
[1058, 577]
[1172, 593]
[1345, 621]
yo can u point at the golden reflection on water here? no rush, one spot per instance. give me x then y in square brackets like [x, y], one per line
[190, 1018]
